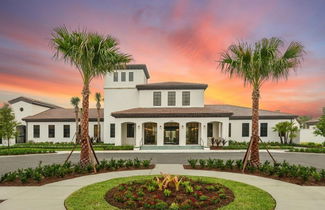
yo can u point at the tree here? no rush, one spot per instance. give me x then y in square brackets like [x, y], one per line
[287, 131]
[98, 98]
[302, 121]
[93, 55]
[256, 64]
[75, 103]
[8, 124]
[320, 127]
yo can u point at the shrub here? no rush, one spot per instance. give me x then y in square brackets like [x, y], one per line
[229, 164]
[136, 163]
[219, 164]
[161, 205]
[129, 163]
[189, 189]
[192, 162]
[210, 163]
[202, 163]
[146, 163]
[203, 198]
[167, 192]
[174, 206]
[239, 164]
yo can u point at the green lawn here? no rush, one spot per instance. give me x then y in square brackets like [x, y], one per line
[247, 197]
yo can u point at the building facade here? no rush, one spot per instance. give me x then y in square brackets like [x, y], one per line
[148, 115]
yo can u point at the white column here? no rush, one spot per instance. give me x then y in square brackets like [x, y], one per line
[182, 134]
[160, 134]
[118, 134]
[138, 135]
[225, 129]
[204, 134]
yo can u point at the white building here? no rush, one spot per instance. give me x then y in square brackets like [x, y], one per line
[307, 134]
[152, 115]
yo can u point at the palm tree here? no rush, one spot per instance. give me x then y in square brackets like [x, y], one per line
[256, 64]
[93, 55]
[75, 103]
[98, 98]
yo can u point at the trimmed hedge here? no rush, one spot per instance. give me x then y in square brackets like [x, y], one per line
[308, 150]
[23, 151]
[61, 170]
[280, 170]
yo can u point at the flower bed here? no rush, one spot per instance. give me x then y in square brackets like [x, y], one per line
[56, 172]
[247, 197]
[284, 171]
[169, 192]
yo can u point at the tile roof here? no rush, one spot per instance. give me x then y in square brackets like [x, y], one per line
[33, 101]
[171, 86]
[234, 112]
[62, 115]
[240, 112]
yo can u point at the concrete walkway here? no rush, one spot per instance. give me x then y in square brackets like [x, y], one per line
[51, 196]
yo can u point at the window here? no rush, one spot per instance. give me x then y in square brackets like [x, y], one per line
[172, 98]
[21, 109]
[263, 130]
[51, 131]
[245, 129]
[130, 130]
[210, 130]
[123, 76]
[115, 76]
[130, 76]
[96, 131]
[157, 98]
[36, 131]
[112, 130]
[229, 130]
[186, 98]
[66, 131]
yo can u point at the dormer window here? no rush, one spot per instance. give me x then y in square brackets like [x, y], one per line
[123, 76]
[130, 76]
[115, 77]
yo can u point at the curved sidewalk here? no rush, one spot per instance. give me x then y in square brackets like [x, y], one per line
[51, 196]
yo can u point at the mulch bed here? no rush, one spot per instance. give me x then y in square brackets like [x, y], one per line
[126, 196]
[48, 180]
[292, 180]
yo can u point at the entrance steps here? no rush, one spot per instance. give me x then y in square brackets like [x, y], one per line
[171, 147]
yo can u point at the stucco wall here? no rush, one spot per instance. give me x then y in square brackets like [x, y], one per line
[236, 130]
[58, 131]
[28, 110]
[146, 98]
[307, 135]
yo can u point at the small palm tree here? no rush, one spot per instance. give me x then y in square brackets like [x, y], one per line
[75, 103]
[98, 98]
[256, 64]
[93, 55]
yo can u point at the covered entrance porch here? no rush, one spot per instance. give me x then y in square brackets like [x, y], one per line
[164, 133]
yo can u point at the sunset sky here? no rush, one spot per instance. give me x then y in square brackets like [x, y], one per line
[177, 40]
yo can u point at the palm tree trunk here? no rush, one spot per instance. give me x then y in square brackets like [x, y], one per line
[98, 125]
[85, 151]
[255, 159]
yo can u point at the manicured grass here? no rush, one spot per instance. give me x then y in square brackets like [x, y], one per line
[23, 151]
[246, 196]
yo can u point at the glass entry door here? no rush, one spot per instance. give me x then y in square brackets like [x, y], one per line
[171, 133]
[150, 133]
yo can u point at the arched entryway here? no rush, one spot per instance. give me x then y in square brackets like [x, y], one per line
[192, 133]
[171, 133]
[150, 133]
